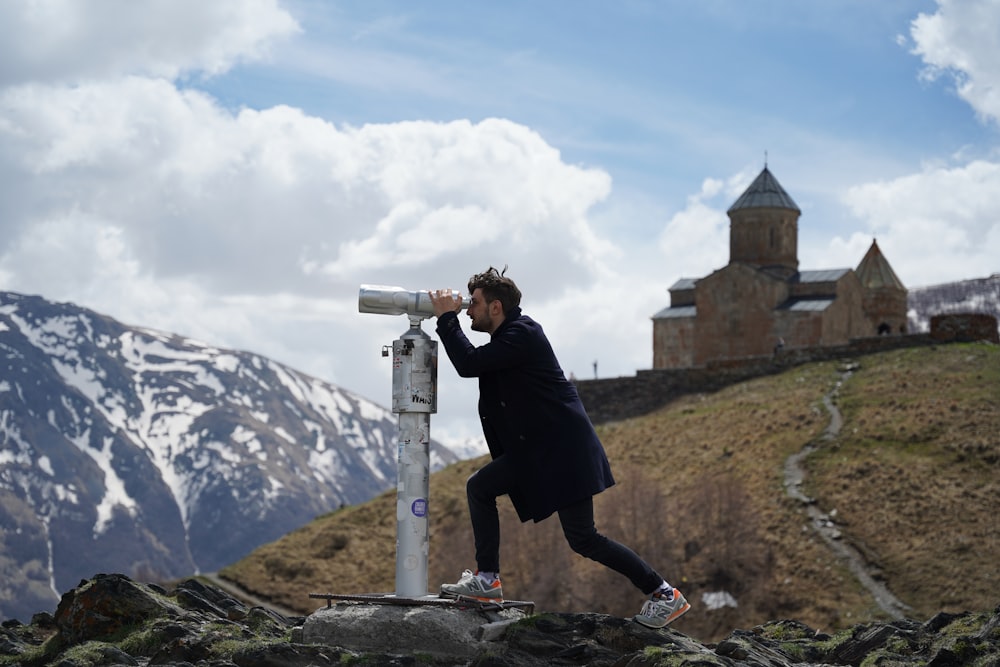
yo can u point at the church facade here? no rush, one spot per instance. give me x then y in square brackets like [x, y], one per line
[761, 303]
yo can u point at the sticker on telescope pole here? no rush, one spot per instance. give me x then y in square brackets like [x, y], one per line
[419, 507]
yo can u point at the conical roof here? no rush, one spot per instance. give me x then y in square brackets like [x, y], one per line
[764, 192]
[874, 270]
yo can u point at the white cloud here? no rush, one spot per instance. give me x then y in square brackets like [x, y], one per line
[85, 250]
[254, 229]
[961, 39]
[940, 224]
[695, 241]
[71, 40]
[269, 200]
[939, 212]
[458, 189]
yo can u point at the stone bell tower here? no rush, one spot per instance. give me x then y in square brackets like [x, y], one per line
[764, 228]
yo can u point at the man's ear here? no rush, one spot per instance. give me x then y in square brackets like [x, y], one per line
[496, 308]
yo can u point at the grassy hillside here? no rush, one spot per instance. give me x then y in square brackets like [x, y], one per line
[912, 479]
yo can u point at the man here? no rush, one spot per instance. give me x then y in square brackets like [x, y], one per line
[545, 453]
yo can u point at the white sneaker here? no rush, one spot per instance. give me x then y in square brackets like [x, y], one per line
[471, 585]
[658, 611]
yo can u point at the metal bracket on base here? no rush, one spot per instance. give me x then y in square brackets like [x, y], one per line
[460, 602]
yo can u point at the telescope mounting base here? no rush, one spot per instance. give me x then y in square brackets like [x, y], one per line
[460, 602]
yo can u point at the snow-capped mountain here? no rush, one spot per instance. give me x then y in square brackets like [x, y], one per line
[979, 295]
[130, 450]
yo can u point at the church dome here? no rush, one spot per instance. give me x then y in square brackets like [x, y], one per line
[764, 192]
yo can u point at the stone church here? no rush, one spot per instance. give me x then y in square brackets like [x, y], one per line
[761, 303]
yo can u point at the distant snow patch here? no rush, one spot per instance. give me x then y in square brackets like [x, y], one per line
[718, 600]
[46, 465]
[284, 434]
[227, 363]
[115, 494]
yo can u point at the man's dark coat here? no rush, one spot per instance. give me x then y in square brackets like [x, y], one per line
[531, 413]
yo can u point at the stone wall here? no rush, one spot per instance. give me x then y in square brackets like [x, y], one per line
[612, 399]
[964, 327]
[673, 342]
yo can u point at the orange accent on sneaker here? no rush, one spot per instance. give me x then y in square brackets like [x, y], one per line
[495, 586]
[483, 598]
[680, 611]
[658, 611]
[472, 587]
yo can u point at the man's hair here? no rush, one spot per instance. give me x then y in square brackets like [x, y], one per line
[496, 287]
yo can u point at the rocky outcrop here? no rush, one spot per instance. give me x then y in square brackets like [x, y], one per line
[112, 620]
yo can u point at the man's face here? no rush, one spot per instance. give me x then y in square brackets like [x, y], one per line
[479, 312]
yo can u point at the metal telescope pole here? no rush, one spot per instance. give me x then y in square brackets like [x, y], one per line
[414, 399]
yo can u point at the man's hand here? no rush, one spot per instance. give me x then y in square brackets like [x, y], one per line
[444, 302]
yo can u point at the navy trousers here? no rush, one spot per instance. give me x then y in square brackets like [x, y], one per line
[497, 478]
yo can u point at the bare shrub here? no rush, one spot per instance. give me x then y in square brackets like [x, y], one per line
[279, 567]
[535, 559]
[636, 513]
[703, 539]
[328, 542]
[724, 551]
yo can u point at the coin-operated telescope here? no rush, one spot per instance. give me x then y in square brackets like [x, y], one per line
[386, 300]
[414, 399]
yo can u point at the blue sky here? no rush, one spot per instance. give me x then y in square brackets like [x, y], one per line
[233, 171]
[660, 94]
